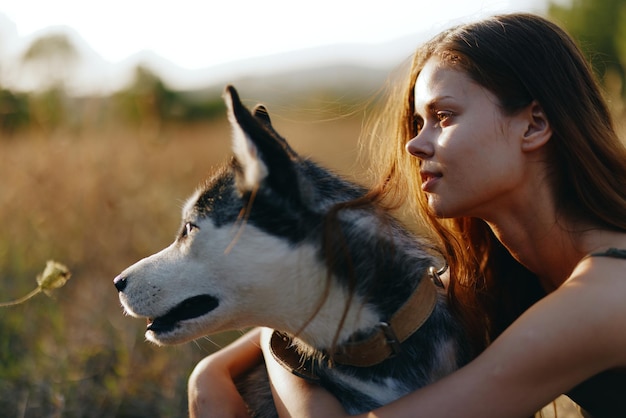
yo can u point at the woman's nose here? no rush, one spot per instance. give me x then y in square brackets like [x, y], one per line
[419, 147]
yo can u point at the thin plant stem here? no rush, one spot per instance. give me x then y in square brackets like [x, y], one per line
[22, 299]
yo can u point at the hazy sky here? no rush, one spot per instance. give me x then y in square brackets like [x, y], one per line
[201, 33]
[196, 35]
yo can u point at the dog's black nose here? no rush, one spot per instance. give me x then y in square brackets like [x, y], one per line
[120, 283]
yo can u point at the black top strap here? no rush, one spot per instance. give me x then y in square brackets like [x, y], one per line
[611, 252]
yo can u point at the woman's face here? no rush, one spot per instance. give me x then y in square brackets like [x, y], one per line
[471, 159]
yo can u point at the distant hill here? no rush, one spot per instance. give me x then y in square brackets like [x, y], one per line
[342, 67]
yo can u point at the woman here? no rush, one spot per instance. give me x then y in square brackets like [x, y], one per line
[513, 161]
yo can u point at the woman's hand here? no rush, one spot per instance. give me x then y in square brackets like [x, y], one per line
[211, 387]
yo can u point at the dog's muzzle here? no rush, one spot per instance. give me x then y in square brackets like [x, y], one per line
[189, 308]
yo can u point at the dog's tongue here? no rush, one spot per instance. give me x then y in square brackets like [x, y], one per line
[187, 309]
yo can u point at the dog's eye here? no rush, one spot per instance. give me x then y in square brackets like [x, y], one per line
[187, 229]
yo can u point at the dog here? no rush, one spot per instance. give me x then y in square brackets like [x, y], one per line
[272, 239]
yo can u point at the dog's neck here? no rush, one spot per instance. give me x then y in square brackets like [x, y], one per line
[381, 343]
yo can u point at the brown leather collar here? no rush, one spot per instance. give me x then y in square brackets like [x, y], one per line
[384, 343]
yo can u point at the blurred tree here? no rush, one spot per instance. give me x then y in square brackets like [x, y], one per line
[149, 102]
[600, 28]
[52, 58]
[143, 102]
[49, 62]
[14, 112]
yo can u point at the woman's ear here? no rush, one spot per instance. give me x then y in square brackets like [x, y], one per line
[538, 130]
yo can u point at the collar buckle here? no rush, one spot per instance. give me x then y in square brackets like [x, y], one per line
[392, 340]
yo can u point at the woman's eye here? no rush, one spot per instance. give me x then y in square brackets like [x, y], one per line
[187, 229]
[442, 116]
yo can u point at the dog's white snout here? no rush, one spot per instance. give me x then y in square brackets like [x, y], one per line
[120, 283]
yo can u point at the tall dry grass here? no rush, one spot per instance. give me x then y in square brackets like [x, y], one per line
[99, 200]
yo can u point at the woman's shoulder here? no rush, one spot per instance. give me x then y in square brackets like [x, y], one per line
[599, 281]
[594, 296]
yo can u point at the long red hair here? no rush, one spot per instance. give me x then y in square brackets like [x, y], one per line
[520, 58]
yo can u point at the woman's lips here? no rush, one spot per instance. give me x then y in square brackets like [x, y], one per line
[429, 180]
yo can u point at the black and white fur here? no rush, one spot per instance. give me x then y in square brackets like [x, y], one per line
[253, 251]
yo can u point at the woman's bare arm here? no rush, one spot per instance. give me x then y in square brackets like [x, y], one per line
[569, 336]
[211, 387]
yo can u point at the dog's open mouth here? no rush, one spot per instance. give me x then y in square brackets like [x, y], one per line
[187, 309]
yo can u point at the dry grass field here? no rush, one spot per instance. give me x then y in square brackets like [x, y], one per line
[99, 200]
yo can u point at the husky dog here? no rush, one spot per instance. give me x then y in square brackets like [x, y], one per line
[271, 241]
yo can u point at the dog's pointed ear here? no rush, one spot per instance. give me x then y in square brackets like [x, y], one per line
[261, 154]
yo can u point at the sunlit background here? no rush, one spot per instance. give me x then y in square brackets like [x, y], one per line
[195, 43]
[110, 115]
